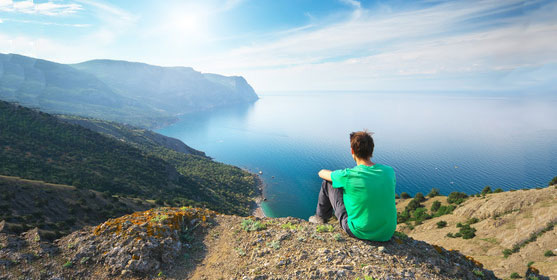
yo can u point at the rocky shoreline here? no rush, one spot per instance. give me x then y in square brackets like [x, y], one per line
[257, 211]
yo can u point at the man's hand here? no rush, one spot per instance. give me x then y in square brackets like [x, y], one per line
[325, 174]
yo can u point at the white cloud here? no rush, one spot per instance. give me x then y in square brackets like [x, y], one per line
[382, 50]
[352, 3]
[47, 8]
[109, 10]
[114, 22]
[80, 25]
[45, 48]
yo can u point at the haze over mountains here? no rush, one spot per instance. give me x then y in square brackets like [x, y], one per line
[127, 92]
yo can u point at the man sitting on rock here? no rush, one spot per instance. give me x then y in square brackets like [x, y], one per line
[363, 197]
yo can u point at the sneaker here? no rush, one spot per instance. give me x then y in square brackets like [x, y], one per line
[316, 220]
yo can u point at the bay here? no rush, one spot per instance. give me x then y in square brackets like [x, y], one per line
[453, 141]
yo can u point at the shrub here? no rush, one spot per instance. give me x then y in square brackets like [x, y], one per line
[478, 273]
[404, 195]
[290, 226]
[419, 197]
[458, 234]
[413, 205]
[324, 228]
[434, 192]
[275, 244]
[435, 206]
[549, 253]
[497, 190]
[401, 235]
[159, 218]
[397, 196]
[472, 221]
[450, 235]
[459, 225]
[529, 264]
[467, 232]
[443, 210]
[486, 190]
[441, 224]
[420, 214]
[456, 197]
[515, 275]
[553, 181]
[403, 216]
[68, 264]
[106, 194]
[251, 225]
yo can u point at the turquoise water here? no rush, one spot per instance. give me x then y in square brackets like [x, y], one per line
[454, 142]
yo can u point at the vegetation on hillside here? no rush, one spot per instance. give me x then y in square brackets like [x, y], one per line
[553, 181]
[38, 146]
[228, 187]
[58, 209]
[415, 211]
[533, 236]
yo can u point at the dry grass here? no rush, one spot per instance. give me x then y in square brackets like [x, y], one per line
[506, 219]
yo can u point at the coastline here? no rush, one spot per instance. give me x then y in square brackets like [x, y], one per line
[256, 209]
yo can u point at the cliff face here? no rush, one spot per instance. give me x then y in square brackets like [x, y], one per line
[190, 243]
[127, 92]
[175, 90]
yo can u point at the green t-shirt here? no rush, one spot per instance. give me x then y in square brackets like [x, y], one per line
[369, 198]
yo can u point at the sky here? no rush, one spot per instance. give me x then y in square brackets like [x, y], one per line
[301, 45]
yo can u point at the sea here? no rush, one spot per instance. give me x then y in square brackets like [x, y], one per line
[454, 141]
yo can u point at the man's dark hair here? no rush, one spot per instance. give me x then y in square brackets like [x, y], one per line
[362, 144]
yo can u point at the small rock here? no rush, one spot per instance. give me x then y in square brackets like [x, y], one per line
[323, 251]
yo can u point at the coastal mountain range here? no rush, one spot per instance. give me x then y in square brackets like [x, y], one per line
[139, 94]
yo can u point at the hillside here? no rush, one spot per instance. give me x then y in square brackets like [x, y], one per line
[190, 243]
[138, 137]
[57, 210]
[521, 220]
[38, 146]
[134, 93]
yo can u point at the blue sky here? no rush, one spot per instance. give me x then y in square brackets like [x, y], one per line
[304, 45]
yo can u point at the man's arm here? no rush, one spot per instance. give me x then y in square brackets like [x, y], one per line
[325, 174]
